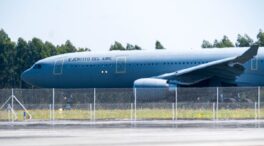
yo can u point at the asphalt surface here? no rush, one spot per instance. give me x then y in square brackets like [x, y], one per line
[140, 133]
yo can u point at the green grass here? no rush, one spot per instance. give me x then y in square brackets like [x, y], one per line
[144, 113]
[237, 114]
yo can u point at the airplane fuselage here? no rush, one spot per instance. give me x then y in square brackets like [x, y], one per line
[119, 69]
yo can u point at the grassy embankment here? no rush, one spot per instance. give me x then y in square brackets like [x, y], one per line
[141, 114]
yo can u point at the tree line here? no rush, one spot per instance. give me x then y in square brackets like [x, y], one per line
[242, 41]
[118, 46]
[16, 57]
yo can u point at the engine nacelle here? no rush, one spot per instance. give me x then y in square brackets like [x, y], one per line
[149, 89]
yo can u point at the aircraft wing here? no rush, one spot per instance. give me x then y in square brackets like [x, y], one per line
[225, 70]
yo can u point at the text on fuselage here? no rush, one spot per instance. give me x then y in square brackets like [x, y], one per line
[88, 59]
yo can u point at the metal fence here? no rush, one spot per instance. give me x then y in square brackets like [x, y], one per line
[219, 103]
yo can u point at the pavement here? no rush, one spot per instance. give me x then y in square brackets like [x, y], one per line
[140, 133]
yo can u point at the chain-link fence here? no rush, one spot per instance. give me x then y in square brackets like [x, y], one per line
[218, 103]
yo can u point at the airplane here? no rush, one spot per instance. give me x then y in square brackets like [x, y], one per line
[150, 69]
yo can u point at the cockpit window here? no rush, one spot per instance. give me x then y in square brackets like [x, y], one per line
[37, 66]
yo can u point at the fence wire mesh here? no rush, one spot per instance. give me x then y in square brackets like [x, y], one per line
[212, 103]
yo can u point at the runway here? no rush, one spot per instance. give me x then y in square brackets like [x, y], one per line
[242, 133]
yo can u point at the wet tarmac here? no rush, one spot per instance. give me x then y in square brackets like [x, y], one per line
[140, 133]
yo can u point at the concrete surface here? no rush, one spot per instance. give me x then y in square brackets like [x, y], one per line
[142, 133]
[138, 124]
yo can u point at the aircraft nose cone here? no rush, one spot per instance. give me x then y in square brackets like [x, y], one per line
[25, 76]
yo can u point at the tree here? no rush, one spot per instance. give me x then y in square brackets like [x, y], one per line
[36, 50]
[7, 56]
[17, 57]
[158, 45]
[3, 39]
[206, 44]
[68, 47]
[22, 59]
[129, 47]
[117, 46]
[225, 42]
[84, 49]
[216, 44]
[244, 41]
[132, 47]
[50, 48]
[137, 47]
[260, 38]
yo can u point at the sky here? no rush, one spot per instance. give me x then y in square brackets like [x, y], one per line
[96, 24]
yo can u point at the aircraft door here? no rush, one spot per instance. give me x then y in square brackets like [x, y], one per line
[58, 67]
[254, 64]
[121, 64]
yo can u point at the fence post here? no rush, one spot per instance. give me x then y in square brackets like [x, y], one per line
[50, 112]
[213, 110]
[53, 104]
[12, 104]
[176, 103]
[131, 112]
[90, 112]
[94, 104]
[258, 102]
[173, 111]
[9, 112]
[217, 102]
[256, 110]
[135, 104]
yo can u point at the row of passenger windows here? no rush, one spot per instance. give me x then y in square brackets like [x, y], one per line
[146, 64]
[140, 64]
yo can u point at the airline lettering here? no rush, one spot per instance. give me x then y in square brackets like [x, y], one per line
[88, 59]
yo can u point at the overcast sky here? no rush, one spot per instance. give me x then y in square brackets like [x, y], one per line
[96, 24]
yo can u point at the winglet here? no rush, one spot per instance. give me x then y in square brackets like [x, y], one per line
[249, 54]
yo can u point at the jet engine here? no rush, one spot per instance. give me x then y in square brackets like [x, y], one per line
[150, 89]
